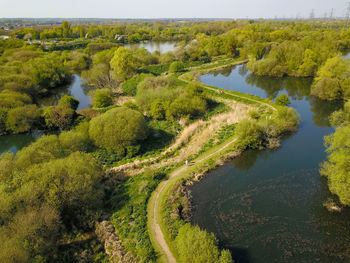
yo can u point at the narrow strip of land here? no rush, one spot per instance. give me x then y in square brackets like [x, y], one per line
[154, 215]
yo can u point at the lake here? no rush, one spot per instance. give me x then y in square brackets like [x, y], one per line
[152, 46]
[267, 206]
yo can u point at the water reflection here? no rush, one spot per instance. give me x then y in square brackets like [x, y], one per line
[267, 206]
[75, 89]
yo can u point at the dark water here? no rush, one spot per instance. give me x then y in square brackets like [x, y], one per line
[75, 89]
[267, 206]
[152, 46]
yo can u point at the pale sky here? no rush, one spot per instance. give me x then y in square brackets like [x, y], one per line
[170, 8]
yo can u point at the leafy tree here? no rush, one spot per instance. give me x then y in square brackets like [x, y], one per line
[22, 119]
[283, 100]
[176, 66]
[118, 128]
[58, 117]
[123, 64]
[157, 110]
[11, 99]
[3, 118]
[338, 165]
[103, 98]
[195, 245]
[249, 134]
[48, 72]
[332, 81]
[68, 102]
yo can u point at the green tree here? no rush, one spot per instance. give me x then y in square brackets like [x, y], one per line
[195, 245]
[68, 102]
[249, 134]
[118, 128]
[282, 100]
[338, 165]
[332, 80]
[103, 98]
[176, 66]
[22, 119]
[157, 110]
[123, 64]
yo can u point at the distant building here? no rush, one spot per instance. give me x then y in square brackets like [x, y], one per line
[4, 37]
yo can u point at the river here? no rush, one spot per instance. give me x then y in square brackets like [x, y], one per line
[267, 206]
[13, 143]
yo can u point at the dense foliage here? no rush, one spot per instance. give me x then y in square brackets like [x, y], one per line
[119, 130]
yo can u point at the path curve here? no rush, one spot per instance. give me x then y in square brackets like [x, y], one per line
[156, 233]
[154, 203]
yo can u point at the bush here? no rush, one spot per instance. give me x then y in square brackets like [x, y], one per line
[176, 66]
[58, 117]
[157, 110]
[129, 87]
[337, 166]
[198, 246]
[3, 118]
[22, 119]
[69, 102]
[118, 128]
[103, 98]
[11, 99]
[282, 100]
[249, 134]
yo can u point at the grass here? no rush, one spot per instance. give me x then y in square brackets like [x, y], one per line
[130, 216]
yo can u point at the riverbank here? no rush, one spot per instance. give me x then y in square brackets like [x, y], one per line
[162, 240]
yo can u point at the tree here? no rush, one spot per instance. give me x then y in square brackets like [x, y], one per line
[118, 128]
[195, 245]
[22, 119]
[176, 66]
[68, 102]
[103, 98]
[282, 100]
[157, 110]
[338, 165]
[65, 29]
[12, 99]
[332, 80]
[249, 134]
[123, 64]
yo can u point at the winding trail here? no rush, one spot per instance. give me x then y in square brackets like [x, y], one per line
[154, 216]
[154, 206]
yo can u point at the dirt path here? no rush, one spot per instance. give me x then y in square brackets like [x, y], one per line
[156, 233]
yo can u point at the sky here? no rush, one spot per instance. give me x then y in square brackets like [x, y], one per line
[170, 8]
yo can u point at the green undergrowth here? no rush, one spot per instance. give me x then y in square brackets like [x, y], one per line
[174, 203]
[129, 202]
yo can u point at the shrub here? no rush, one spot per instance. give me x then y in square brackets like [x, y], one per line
[282, 100]
[254, 114]
[58, 117]
[176, 66]
[103, 98]
[249, 134]
[118, 128]
[3, 118]
[157, 110]
[22, 119]
[11, 99]
[198, 246]
[69, 102]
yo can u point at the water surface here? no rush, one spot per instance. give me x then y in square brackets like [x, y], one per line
[152, 46]
[267, 206]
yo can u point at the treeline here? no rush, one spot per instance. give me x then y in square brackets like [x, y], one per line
[338, 148]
